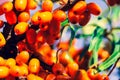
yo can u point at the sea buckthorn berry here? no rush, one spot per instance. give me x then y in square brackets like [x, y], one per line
[82, 75]
[50, 77]
[54, 27]
[21, 28]
[59, 15]
[2, 40]
[72, 68]
[40, 37]
[111, 2]
[1, 11]
[7, 6]
[34, 66]
[84, 18]
[43, 27]
[2, 61]
[24, 70]
[31, 4]
[31, 36]
[45, 17]
[24, 17]
[20, 5]
[64, 58]
[94, 8]
[63, 77]
[73, 18]
[35, 18]
[58, 68]
[91, 73]
[33, 77]
[1, 23]
[22, 57]
[4, 71]
[11, 17]
[47, 5]
[10, 62]
[15, 71]
[103, 54]
[79, 7]
[21, 46]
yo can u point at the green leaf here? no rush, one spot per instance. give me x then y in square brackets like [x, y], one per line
[114, 56]
[64, 23]
[73, 29]
[95, 37]
[95, 44]
[94, 57]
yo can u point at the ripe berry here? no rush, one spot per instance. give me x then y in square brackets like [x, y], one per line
[20, 5]
[11, 17]
[79, 7]
[93, 8]
[59, 15]
[58, 68]
[47, 5]
[21, 28]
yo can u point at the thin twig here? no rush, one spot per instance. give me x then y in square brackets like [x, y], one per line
[57, 55]
[113, 67]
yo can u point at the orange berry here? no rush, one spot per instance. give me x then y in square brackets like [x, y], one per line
[11, 17]
[91, 73]
[73, 18]
[4, 71]
[31, 36]
[21, 28]
[15, 71]
[84, 18]
[64, 58]
[35, 18]
[50, 77]
[54, 27]
[1, 23]
[2, 61]
[1, 11]
[58, 68]
[22, 57]
[10, 62]
[72, 68]
[40, 37]
[7, 6]
[24, 70]
[2, 40]
[34, 65]
[47, 5]
[31, 4]
[81, 75]
[21, 46]
[24, 17]
[43, 27]
[34, 77]
[20, 5]
[45, 17]
[111, 2]
[103, 54]
[59, 15]
[79, 7]
[94, 8]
